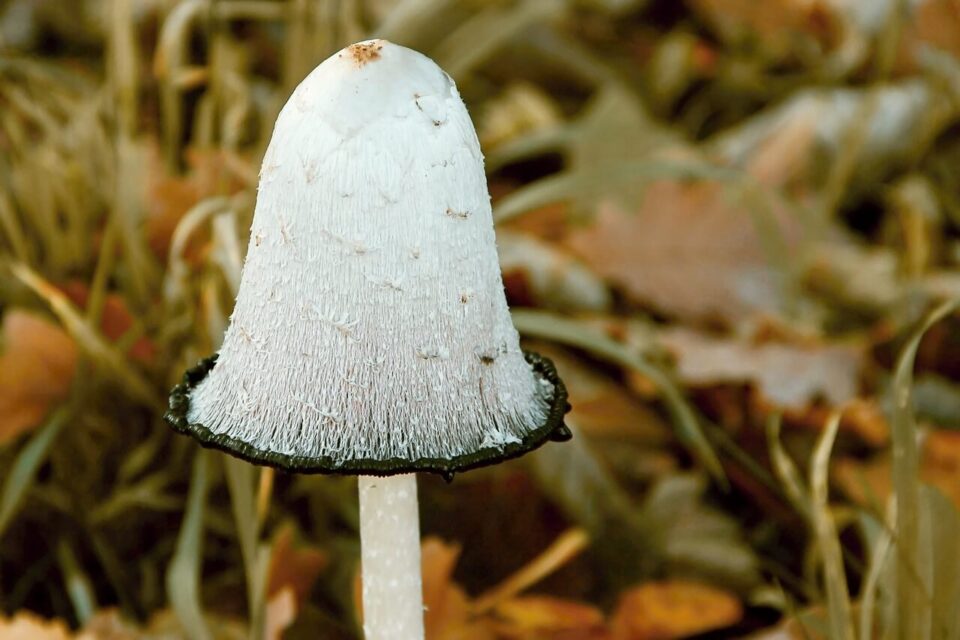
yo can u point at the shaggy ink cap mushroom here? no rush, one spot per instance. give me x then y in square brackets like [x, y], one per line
[371, 333]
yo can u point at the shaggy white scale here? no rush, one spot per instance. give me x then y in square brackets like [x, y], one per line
[371, 320]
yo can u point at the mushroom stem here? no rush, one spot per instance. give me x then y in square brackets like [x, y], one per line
[390, 556]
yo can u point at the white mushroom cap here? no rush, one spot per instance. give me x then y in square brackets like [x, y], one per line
[371, 332]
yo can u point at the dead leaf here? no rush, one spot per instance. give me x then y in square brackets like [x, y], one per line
[688, 251]
[588, 493]
[281, 612]
[450, 613]
[27, 626]
[447, 606]
[546, 618]
[787, 375]
[294, 567]
[673, 609]
[933, 23]
[37, 366]
[108, 624]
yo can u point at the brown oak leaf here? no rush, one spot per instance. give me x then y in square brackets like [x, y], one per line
[789, 376]
[689, 251]
[37, 365]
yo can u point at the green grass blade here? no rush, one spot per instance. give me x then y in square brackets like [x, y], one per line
[839, 616]
[24, 469]
[786, 470]
[241, 477]
[879, 540]
[575, 185]
[555, 328]
[912, 609]
[481, 35]
[100, 351]
[945, 546]
[79, 587]
[183, 574]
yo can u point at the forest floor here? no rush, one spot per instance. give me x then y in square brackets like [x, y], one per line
[733, 225]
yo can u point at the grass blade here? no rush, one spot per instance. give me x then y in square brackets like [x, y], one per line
[79, 587]
[839, 616]
[481, 35]
[24, 469]
[241, 477]
[786, 470]
[101, 352]
[183, 574]
[560, 552]
[945, 546]
[555, 328]
[912, 609]
[879, 554]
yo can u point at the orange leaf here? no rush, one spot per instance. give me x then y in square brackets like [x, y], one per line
[447, 615]
[37, 365]
[293, 567]
[673, 609]
[546, 617]
[27, 626]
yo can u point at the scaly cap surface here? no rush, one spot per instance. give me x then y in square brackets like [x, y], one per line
[371, 333]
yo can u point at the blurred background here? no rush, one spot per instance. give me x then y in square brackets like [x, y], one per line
[732, 224]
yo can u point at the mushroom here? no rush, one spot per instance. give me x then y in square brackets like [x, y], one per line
[371, 334]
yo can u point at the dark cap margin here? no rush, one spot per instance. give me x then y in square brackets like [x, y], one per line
[553, 429]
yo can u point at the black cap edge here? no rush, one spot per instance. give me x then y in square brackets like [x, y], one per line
[553, 429]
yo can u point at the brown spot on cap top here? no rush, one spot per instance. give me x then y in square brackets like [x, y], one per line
[364, 52]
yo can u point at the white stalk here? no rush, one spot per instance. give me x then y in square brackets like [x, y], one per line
[390, 556]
